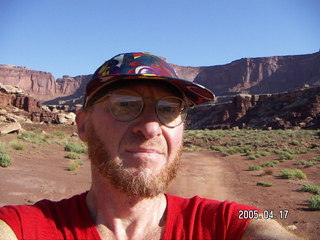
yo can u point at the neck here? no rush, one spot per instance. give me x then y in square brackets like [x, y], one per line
[115, 214]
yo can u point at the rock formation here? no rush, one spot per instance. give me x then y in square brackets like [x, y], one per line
[39, 84]
[42, 85]
[248, 75]
[258, 76]
[10, 128]
[15, 106]
[262, 75]
[71, 90]
[296, 109]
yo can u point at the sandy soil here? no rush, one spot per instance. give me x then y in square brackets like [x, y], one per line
[41, 172]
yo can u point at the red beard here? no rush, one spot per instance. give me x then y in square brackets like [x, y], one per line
[141, 183]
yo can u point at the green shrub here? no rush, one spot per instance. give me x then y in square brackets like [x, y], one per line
[245, 149]
[302, 151]
[302, 162]
[27, 136]
[3, 147]
[267, 164]
[72, 147]
[17, 145]
[317, 158]
[233, 150]
[286, 156]
[288, 150]
[264, 184]
[292, 174]
[306, 163]
[314, 202]
[216, 148]
[226, 154]
[311, 188]
[238, 149]
[190, 147]
[32, 137]
[5, 160]
[59, 134]
[264, 154]
[276, 151]
[72, 155]
[75, 165]
[254, 167]
[295, 143]
[251, 157]
[311, 163]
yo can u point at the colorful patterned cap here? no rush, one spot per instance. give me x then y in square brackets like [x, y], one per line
[141, 66]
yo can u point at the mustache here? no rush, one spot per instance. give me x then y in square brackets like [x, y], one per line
[140, 141]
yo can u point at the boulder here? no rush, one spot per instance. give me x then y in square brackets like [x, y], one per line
[15, 118]
[10, 128]
[68, 118]
[3, 111]
[292, 227]
[71, 116]
[11, 89]
[61, 118]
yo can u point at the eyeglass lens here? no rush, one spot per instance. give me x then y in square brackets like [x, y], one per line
[127, 105]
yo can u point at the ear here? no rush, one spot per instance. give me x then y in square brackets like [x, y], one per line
[81, 120]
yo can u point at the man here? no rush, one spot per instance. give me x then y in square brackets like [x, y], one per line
[132, 121]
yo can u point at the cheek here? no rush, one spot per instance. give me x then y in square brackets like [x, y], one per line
[108, 131]
[176, 141]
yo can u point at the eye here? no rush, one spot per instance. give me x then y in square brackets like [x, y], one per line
[171, 111]
[125, 105]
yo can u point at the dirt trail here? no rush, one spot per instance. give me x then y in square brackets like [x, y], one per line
[201, 174]
[42, 173]
[35, 177]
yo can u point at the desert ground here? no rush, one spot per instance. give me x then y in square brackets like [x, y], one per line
[40, 170]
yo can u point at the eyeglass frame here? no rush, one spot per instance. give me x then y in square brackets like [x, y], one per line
[183, 116]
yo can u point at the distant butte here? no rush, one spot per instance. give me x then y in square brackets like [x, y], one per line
[248, 75]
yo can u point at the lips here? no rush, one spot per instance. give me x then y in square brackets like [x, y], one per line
[145, 150]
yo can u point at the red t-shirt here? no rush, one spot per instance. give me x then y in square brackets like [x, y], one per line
[195, 218]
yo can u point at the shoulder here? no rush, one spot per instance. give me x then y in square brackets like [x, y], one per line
[42, 208]
[6, 232]
[266, 229]
[65, 205]
[221, 220]
[43, 215]
[214, 206]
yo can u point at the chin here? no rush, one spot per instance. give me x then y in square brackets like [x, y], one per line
[143, 161]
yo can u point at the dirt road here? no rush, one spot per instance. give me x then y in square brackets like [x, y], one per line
[43, 174]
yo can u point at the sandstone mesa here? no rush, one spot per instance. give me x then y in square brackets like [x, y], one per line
[243, 88]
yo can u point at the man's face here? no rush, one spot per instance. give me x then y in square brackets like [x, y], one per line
[140, 156]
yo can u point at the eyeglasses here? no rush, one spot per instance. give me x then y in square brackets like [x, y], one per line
[127, 105]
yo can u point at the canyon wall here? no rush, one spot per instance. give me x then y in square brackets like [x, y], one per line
[296, 109]
[262, 75]
[248, 75]
[42, 85]
[39, 84]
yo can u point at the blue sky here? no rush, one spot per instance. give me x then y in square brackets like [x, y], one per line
[74, 37]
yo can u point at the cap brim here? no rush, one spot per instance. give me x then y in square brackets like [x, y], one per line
[196, 93]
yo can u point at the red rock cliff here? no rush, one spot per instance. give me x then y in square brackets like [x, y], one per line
[40, 85]
[262, 75]
[248, 75]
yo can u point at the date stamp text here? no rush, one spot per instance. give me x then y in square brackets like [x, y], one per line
[266, 214]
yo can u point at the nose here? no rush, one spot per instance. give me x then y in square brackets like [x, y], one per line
[148, 124]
